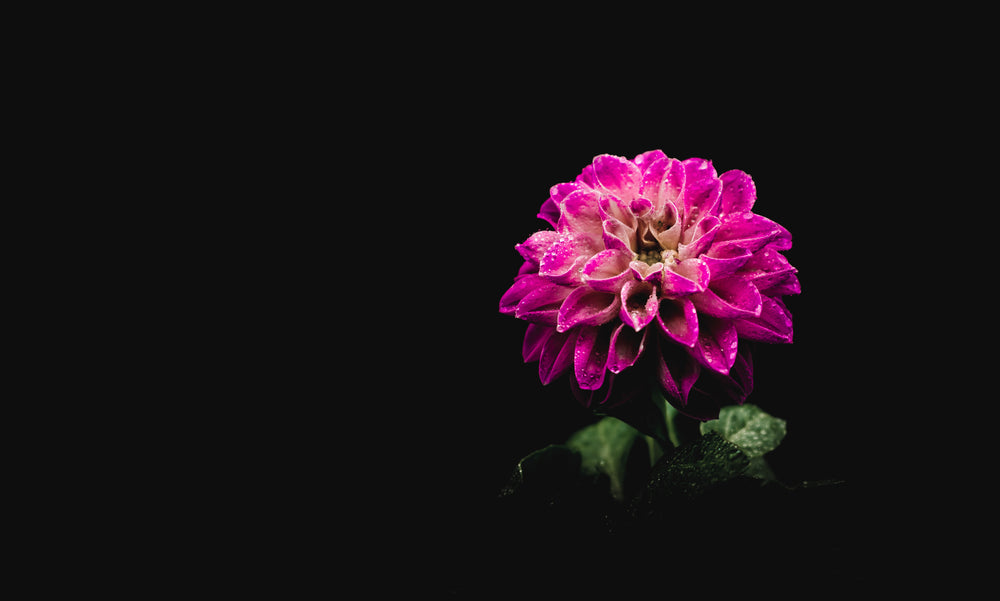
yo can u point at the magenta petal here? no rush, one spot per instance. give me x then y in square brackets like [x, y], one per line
[729, 297]
[617, 235]
[579, 214]
[767, 268]
[679, 320]
[751, 232]
[685, 278]
[591, 356]
[774, 324]
[608, 270]
[557, 356]
[542, 304]
[521, 288]
[537, 245]
[626, 347]
[617, 175]
[563, 262]
[676, 371]
[717, 344]
[738, 192]
[645, 160]
[639, 304]
[535, 338]
[585, 306]
[701, 190]
[703, 235]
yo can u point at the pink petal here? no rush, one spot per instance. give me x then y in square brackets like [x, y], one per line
[521, 287]
[767, 268]
[639, 304]
[703, 235]
[617, 175]
[535, 338]
[536, 245]
[608, 270]
[645, 160]
[729, 297]
[563, 262]
[701, 190]
[585, 306]
[726, 261]
[591, 356]
[678, 319]
[557, 356]
[626, 347]
[618, 236]
[542, 304]
[751, 232]
[579, 214]
[647, 273]
[774, 324]
[662, 183]
[738, 192]
[685, 278]
[717, 344]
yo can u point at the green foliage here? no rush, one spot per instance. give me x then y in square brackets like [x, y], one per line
[604, 448]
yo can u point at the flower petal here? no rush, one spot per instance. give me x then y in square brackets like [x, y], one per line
[591, 356]
[678, 319]
[608, 270]
[729, 297]
[639, 304]
[617, 175]
[557, 356]
[751, 232]
[535, 338]
[717, 344]
[579, 214]
[662, 183]
[585, 306]
[626, 347]
[685, 278]
[701, 191]
[617, 235]
[563, 262]
[676, 371]
[536, 245]
[773, 325]
[738, 192]
[703, 235]
[541, 305]
[521, 287]
[645, 160]
[767, 268]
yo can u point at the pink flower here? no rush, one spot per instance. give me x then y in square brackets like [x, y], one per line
[658, 263]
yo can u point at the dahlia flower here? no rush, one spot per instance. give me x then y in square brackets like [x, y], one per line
[656, 270]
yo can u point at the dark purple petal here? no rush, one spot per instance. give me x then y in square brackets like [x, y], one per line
[774, 324]
[595, 398]
[557, 356]
[738, 192]
[617, 175]
[729, 297]
[639, 304]
[608, 270]
[535, 338]
[591, 356]
[676, 371]
[678, 319]
[717, 344]
[585, 306]
[626, 347]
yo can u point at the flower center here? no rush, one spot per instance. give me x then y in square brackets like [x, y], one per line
[648, 247]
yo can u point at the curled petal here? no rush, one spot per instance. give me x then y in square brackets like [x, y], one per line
[522, 286]
[726, 261]
[541, 305]
[585, 306]
[626, 347]
[767, 268]
[640, 207]
[646, 272]
[591, 356]
[579, 214]
[701, 190]
[678, 319]
[639, 304]
[717, 344]
[608, 270]
[617, 235]
[773, 325]
[676, 371]
[549, 211]
[738, 192]
[729, 297]
[617, 175]
[535, 338]
[685, 278]
[702, 236]
[537, 245]
[598, 397]
[556, 356]
[645, 160]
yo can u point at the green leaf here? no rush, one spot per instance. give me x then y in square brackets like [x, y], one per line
[692, 469]
[749, 428]
[604, 449]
